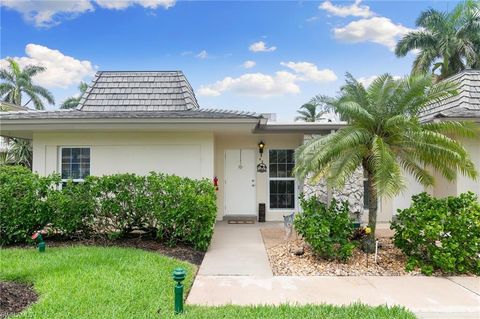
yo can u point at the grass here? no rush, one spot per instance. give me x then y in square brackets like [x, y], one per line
[98, 282]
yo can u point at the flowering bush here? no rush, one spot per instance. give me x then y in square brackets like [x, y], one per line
[441, 233]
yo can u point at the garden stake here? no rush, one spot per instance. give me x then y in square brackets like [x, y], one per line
[41, 244]
[178, 276]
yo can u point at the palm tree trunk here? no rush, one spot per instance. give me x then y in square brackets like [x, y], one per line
[372, 213]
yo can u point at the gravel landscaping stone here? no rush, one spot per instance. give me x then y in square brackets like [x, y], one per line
[285, 261]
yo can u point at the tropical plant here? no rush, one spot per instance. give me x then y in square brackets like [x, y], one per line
[17, 82]
[449, 41]
[72, 102]
[384, 135]
[313, 110]
[20, 152]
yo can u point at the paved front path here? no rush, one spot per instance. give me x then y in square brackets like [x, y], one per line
[236, 250]
[236, 271]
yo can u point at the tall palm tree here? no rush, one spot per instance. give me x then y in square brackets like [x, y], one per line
[448, 42]
[17, 82]
[385, 135]
[20, 152]
[72, 102]
[313, 110]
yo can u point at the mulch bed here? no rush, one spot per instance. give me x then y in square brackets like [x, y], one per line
[133, 241]
[284, 262]
[15, 297]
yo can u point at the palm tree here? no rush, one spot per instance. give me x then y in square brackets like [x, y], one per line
[20, 152]
[17, 82]
[385, 135]
[313, 110]
[449, 42]
[72, 102]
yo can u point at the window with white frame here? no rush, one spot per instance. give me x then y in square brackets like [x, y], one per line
[75, 163]
[281, 180]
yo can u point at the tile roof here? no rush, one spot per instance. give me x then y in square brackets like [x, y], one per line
[80, 114]
[139, 91]
[468, 97]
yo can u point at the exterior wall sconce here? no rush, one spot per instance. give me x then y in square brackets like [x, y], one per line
[261, 167]
[261, 146]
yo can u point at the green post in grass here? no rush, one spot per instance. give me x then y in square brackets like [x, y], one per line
[179, 276]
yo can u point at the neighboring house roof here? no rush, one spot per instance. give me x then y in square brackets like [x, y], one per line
[139, 91]
[467, 101]
[7, 106]
[80, 114]
[460, 114]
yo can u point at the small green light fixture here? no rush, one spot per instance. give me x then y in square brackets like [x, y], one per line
[40, 242]
[179, 276]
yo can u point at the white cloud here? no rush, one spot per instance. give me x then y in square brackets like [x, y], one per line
[260, 46]
[310, 72]
[355, 9]
[367, 80]
[256, 84]
[123, 4]
[48, 13]
[249, 64]
[264, 85]
[312, 19]
[202, 54]
[379, 30]
[61, 70]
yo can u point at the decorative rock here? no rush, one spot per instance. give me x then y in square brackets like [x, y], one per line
[298, 251]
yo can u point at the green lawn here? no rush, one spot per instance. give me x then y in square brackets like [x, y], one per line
[96, 282]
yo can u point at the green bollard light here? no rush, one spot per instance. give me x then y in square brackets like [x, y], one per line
[179, 276]
[41, 244]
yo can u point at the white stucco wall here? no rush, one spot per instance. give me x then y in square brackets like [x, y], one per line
[183, 154]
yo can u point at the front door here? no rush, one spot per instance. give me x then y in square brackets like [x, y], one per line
[240, 171]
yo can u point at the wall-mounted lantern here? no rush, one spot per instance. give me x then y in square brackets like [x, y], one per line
[261, 167]
[261, 146]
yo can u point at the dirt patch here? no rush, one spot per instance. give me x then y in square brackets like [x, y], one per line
[390, 260]
[15, 297]
[179, 252]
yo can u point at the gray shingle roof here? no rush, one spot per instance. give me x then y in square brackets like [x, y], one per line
[468, 97]
[459, 113]
[139, 91]
[80, 114]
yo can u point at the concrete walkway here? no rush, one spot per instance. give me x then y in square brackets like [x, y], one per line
[428, 297]
[236, 270]
[237, 250]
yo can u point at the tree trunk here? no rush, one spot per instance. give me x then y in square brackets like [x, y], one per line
[372, 211]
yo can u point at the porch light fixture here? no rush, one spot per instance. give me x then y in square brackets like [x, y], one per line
[261, 167]
[261, 146]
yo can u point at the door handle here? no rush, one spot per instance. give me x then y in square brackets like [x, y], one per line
[253, 185]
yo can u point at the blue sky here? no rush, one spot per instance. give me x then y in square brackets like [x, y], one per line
[294, 49]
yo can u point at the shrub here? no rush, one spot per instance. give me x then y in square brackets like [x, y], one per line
[326, 229]
[123, 202]
[72, 209]
[177, 210]
[184, 209]
[441, 233]
[23, 208]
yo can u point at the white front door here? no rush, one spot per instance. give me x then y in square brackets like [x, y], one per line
[240, 172]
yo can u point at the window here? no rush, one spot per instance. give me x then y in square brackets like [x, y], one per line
[282, 183]
[75, 163]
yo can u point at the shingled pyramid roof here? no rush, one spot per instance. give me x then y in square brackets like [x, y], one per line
[139, 91]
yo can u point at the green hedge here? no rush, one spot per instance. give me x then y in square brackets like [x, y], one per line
[175, 209]
[440, 233]
[327, 229]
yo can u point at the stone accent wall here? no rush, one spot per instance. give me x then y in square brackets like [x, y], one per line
[351, 192]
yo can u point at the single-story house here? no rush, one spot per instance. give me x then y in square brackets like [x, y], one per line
[145, 121]
[139, 122]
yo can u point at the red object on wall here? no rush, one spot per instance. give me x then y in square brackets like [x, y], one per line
[215, 182]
